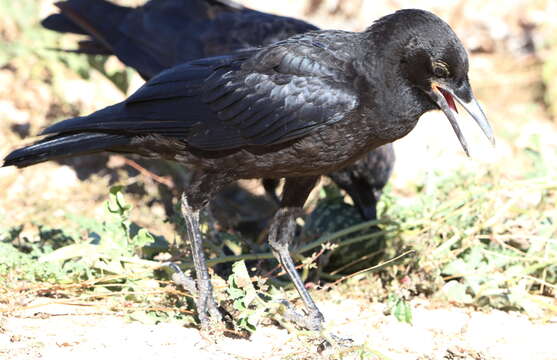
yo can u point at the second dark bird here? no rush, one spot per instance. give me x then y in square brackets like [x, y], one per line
[297, 109]
[165, 33]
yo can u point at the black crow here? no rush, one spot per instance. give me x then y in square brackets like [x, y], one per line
[302, 107]
[365, 179]
[165, 33]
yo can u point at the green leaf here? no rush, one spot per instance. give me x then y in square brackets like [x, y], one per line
[117, 203]
[235, 293]
[239, 304]
[143, 238]
[399, 308]
[403, 311]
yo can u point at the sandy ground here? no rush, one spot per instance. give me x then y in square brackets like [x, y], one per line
[439, 331]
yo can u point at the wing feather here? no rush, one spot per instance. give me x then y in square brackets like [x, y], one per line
[256, 98]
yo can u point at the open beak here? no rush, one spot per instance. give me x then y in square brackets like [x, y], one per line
[445, 99]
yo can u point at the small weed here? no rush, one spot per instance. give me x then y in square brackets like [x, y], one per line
[102, 256]
[246, 300]
[109, 246]
[399, 308]
[483, 238]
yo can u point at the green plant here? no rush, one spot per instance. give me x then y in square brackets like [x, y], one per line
[250, 307]
[400, 308]
[110, 246]
[92, 250]
[484, 241]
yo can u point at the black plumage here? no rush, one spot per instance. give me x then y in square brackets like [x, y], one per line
[166, 33]
[302, 107]
[365, 179]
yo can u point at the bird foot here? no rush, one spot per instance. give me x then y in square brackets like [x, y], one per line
[180, 278]
[312, 321]
[330, 340]
[208, 311]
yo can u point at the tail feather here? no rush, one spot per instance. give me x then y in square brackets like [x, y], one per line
[61, 146]
[99, 19]
[62, 24]
[162, 34]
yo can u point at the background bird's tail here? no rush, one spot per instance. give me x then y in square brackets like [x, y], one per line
[61, 146]
[99, 19]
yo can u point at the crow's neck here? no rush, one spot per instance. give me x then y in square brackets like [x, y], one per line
[391, 105]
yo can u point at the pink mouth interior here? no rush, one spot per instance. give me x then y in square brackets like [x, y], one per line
[449, 98]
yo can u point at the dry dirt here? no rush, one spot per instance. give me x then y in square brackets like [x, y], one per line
[439, 331]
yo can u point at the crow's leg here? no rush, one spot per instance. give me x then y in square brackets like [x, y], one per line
[206, 304]
[281, 233]
[196, 197]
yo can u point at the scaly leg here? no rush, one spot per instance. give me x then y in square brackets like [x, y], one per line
[281, 233]
[206, 305]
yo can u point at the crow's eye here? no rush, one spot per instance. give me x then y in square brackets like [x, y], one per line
[440, 70]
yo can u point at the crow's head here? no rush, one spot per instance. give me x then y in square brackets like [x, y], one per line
[433, 61]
